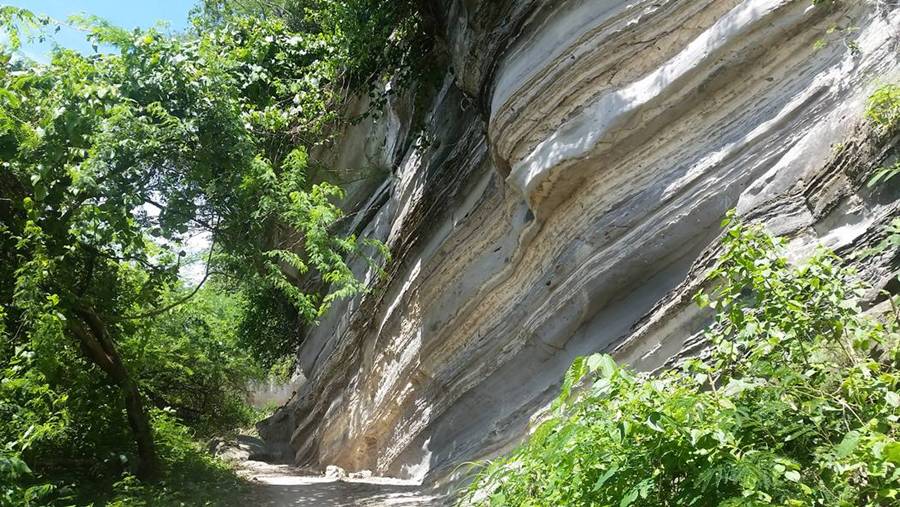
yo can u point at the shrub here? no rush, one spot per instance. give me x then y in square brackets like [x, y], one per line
[31, 414]
[190, 360]
[883, 107]
[192, 476]
[796, 404]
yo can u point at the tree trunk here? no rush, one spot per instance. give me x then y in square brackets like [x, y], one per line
[148, 461]
[101, 350]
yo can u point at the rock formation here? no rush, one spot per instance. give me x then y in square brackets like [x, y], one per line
[565, 197]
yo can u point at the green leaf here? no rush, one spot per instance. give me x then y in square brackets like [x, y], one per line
[892, 453]
[701, 299]
[847, 445]
[605, 477]
[602, 363]
[892, 398]
[576, 372]
[653, 422]
[629, 497]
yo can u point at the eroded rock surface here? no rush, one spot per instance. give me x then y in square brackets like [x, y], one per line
[568, 201]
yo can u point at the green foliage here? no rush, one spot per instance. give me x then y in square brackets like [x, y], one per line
[796, 404]
[883, 107]
[883, 174]
[281, 370]
[210, 132]
[373, 40]
[191, 367]
[269, 326]
[190, 361]
[31, 414]
[192, 476]
[109, 164]
[22, 22]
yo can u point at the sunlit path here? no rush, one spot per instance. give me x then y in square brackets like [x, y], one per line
[282, 485]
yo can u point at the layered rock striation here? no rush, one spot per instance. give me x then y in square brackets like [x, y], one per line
[565, 198]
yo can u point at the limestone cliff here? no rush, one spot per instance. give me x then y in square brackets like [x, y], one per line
[565, 198]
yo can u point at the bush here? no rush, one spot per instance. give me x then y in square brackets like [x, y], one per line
[193, 477]
[796, 404]
[75, 448]
[190, 360]
[31, 414]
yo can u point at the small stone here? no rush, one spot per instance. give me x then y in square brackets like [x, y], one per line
[335, 472]
[362, 474]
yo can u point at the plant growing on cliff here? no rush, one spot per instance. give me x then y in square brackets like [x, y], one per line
[796, 404]
[883, 107]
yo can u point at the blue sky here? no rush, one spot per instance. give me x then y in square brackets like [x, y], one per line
[123, 13]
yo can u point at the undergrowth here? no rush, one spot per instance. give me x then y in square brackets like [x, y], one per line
[795, 404]
[192, 476]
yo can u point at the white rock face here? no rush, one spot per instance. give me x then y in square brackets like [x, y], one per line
[569, 203]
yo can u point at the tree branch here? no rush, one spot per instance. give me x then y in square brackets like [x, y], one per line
[185, 299]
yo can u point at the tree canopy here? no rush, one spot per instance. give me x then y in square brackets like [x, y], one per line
[110, 163]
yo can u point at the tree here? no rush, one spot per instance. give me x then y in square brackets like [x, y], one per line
[110, 162]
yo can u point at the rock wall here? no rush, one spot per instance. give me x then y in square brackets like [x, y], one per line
[565, 198]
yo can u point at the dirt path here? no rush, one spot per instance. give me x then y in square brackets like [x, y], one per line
[283, 486]
[287, 486]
